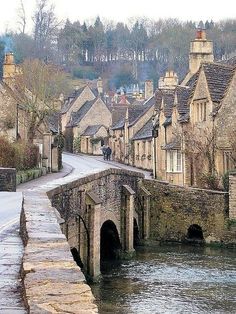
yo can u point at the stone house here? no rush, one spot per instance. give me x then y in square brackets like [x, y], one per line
[93, 138]
[123, 142]
[91, 113]
[195, 118]
[13, 119]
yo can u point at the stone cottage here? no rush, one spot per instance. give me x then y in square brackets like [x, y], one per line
[13, 119]
[195, 119]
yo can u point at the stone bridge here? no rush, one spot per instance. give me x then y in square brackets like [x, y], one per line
[103, 215]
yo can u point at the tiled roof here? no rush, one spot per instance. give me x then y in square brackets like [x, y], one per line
[118, 117]
[231, 61]
[77, 116]
[144, 132]
[172, 145]
[192, 81]
[70, 100]
[183, 94]
[218, 78]
[73, 96]
[136, 111]
[53, 122]
[91, 130]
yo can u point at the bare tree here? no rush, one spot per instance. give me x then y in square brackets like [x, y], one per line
[38, 86]
[22, 17]
[45, 27]
[200, 151]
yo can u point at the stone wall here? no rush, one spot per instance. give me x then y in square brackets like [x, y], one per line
[71, 200]
[53, 282]
[8, 179]
[174, 209]
[232, 195]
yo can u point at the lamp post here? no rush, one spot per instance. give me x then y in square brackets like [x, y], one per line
[154, 136]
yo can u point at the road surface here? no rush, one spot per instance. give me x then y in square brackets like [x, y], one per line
[11, 248]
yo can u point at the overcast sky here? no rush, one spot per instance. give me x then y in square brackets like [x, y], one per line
[121, 10]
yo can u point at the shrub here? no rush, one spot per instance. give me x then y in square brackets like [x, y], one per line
[18, 155]
[77, 145]
[7, 153]
[210, 181]
[225, 181]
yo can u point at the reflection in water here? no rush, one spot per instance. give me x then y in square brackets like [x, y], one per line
[170, 279]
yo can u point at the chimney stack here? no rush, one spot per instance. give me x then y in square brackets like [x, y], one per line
[9, 67]
[201, 50]
[169, 81]
[148, 89]
[99, 86]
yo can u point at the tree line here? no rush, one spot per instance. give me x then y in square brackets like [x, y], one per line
[123, 53]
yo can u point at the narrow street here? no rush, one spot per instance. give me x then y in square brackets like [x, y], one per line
[11, 248]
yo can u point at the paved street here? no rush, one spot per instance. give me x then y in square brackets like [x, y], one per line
[11, 251]
[11, 248]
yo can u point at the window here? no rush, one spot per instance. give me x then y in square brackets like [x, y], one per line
[200, 111]
[227, 159]
[174, 161]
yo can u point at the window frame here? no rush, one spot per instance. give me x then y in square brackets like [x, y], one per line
[174, 162]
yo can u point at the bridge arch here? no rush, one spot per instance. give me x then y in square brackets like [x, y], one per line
[195, 233]
[110, 245]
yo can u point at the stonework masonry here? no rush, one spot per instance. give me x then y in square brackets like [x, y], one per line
[71, 200]
[174, 209]
[53, 282]
[164, 212]
[232, 195]
[7, 179]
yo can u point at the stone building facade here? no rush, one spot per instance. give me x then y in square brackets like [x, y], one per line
[86, 118]
[190, 130]
[13, 119]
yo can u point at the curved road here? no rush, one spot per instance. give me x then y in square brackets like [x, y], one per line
[11, 248]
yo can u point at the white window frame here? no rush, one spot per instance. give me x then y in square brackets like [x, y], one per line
[174, 161]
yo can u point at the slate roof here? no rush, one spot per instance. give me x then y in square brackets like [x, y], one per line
[134, 113]
[145, 132]
[53, 122]
[73, 96]
[172, 145]
[91, 130]
[168, 96]
[118, 117]
[218, 78]
[77, 116]
[70, 100]
[183, 94]
[137, 111]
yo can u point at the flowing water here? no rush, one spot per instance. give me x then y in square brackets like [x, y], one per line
[170, 279]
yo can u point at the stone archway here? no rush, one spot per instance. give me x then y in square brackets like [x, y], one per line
[110, 245]
[195, 233]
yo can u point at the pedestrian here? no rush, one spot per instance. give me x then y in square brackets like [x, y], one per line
[104, 149]
[108, 153]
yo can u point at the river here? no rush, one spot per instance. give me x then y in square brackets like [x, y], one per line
[170, 279]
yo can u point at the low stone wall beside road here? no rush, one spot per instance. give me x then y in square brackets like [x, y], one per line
[8, 179]
[53, 282]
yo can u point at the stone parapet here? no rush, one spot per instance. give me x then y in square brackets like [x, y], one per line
[174, 209]
[232, 195]
[8, 179]
[53, 282]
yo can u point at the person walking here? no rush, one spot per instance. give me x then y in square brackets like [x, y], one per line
[104, 152]
[108, 153]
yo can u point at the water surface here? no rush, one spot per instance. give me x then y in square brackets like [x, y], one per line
[170, 279]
